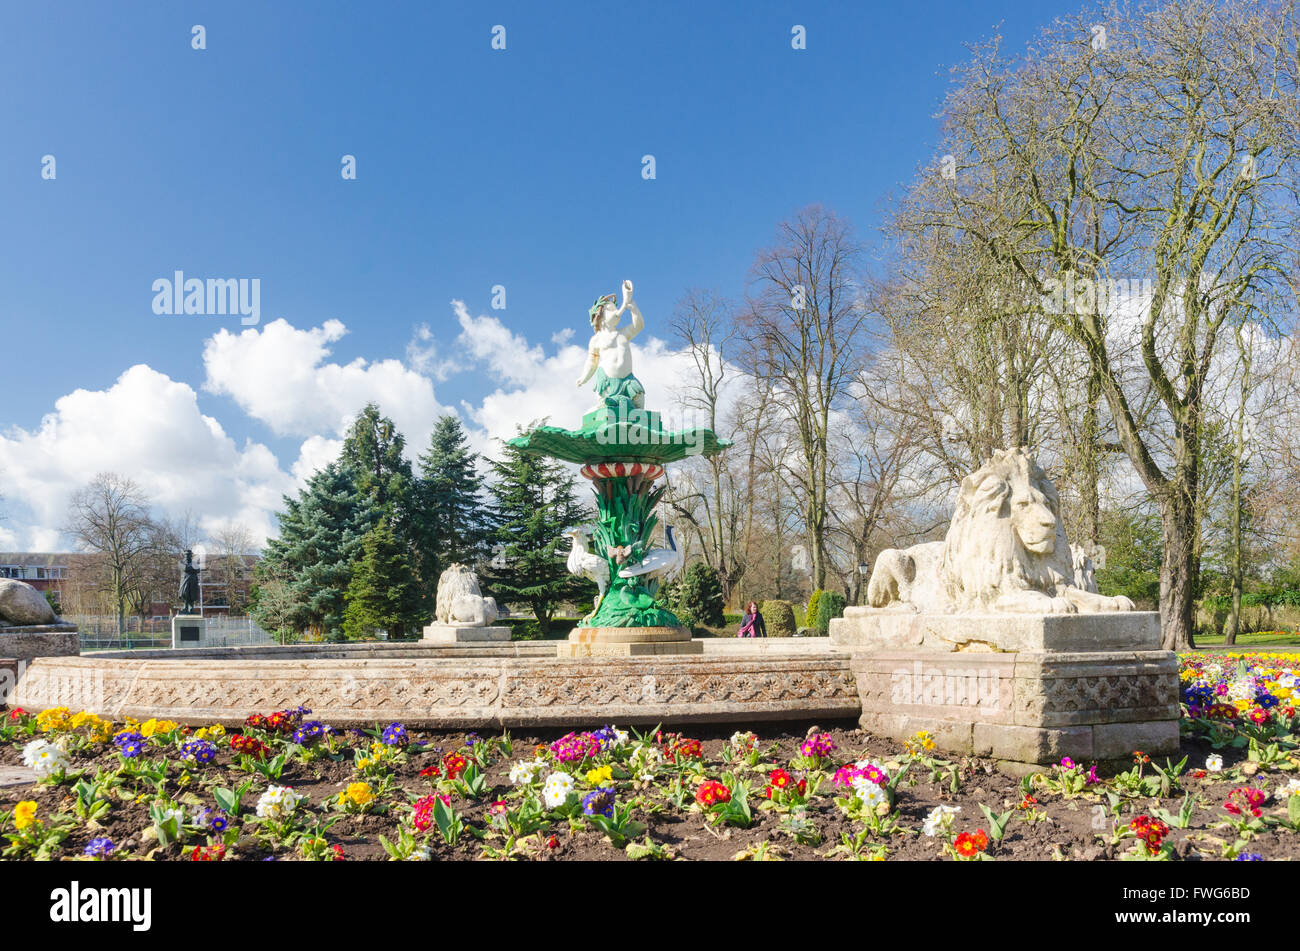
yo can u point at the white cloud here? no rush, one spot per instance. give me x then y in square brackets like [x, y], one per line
[279, 375]
[147, 427]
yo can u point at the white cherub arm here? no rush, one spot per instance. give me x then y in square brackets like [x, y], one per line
[593, 360]
[638, 322]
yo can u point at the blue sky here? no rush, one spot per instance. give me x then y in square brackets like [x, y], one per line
[475, 168]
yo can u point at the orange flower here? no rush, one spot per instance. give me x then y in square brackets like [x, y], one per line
[981, 839]
[965, 845]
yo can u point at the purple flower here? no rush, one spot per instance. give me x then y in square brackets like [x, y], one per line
[1067, 763]
[99, 848]
[599, 802]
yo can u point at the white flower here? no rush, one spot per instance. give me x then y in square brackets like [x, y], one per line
[1292, 788]
[422, 854]
[644, 761]
[1243, 689]
[557, 789]
[177, 813]
[44, 758]
[620, 737]
[278, 802]
[869, 793]
[938, 818]
[1213, 763]
[521, 774]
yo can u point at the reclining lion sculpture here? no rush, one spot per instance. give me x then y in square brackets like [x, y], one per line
[1005, 551]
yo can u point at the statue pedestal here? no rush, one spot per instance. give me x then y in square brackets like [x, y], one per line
[189, 630]
[437, 633]
[628, 642]
[1024, 689]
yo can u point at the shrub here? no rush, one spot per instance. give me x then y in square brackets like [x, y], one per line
[830, 605]
[810, 617]
[697, 600]
[778, 618]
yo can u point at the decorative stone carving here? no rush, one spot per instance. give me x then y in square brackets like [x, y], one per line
[1005, 551]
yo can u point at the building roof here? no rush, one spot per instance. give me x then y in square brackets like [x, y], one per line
[41, 559]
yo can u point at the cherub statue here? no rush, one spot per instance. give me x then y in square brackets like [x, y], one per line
[609, 355]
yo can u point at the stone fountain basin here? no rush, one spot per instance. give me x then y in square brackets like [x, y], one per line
[520, 684]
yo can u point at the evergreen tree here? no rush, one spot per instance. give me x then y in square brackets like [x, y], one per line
[450, 523]
[697, 596]
[533, 503]
[383, 594]
[372, 451]
[320, 539]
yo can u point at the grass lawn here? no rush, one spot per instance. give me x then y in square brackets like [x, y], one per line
[1260, 639]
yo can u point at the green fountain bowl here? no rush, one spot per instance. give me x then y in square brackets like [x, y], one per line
[638, 436]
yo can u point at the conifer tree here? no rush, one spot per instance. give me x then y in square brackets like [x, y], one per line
[450, 523]
[382, 595]
[533, 504]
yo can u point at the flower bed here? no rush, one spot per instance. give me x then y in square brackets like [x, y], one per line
[288, 787]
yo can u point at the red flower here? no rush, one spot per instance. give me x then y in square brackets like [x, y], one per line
[1288, 712]
[1028, 802]
[209, 853]
[712, 792]
[1245, 799]
[431, 772]
[338, 853]
[1258, 715]
[17, 712]
[968, 845]
[454, 763]
[1151, 831]
[552, 843]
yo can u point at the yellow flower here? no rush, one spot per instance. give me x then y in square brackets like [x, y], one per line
[600, 775]
[216, 730]
[152, 726]
[24, 814]
[359, 793]
[55, 718]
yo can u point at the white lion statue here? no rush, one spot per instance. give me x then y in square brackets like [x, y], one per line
[1005, 551]
[461, 602]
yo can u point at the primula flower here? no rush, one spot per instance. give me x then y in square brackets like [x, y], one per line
[939, 817]
[599, 802]
[200, 752]
[600, 776]
[208, 853]
[498, 808]
[1245, 799]
[454, 763]
[556, 789]
[712, 792]
[869, 794]
[1214, 763]
[44, 758]
[817, 745]
[422, 817]
[278, 802]
[395, 735]
[523, 773]
[968, 845]
[1151, 831]
[129, 743]
[99, 848]
[359, 794]
[24, 814]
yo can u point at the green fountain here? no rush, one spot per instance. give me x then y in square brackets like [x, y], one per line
[622, 448]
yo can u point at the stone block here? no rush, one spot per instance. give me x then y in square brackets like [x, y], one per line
[935, 685]
[46, 640]
[1064, 689]
[864, 628]
[189, 630]
[13, 777]
[436, 633]
[1027, 744]
[1118, 741]
[626, 648]
[954, 736]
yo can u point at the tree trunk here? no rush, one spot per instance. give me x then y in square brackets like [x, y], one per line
[1178, 572]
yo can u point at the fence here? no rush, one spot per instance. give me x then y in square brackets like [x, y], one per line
[99, 632]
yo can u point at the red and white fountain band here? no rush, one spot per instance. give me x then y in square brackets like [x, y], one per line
[609, 470]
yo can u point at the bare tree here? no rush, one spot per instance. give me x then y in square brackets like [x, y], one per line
[110, 517]
[1167, 150]
[804, 330]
